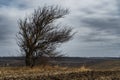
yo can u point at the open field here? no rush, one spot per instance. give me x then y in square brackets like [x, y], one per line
[56, 73]
[67, 62]
[7, 73]
[107, 65]
[66, 69]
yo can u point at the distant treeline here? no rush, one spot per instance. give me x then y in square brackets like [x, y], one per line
[61, 61]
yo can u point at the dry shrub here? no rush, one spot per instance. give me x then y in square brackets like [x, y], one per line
[83, 68]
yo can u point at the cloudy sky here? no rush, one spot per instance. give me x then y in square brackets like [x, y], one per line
[97, 23]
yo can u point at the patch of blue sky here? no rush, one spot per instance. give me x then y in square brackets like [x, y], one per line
[5, 2]
[12, 3]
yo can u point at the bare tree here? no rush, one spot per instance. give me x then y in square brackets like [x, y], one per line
[39, 35]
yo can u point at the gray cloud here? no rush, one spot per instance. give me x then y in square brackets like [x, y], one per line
[102, 33]
[4, 28]
[103, 21]
[109, 25]
[97, 24]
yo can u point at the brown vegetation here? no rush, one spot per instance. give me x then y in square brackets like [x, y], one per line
[26, 72]
[56, 73]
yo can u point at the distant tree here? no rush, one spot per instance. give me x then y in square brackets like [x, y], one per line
[39, 35]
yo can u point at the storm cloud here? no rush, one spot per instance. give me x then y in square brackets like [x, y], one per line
[97, 23]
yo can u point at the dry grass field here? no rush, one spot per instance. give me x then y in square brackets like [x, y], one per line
[7, 73]
[56, 73]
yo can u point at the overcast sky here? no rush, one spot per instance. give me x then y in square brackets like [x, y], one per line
[97, 23]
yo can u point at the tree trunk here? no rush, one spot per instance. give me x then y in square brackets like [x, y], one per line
[29, 61]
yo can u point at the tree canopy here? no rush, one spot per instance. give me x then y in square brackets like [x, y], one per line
[39, 35]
